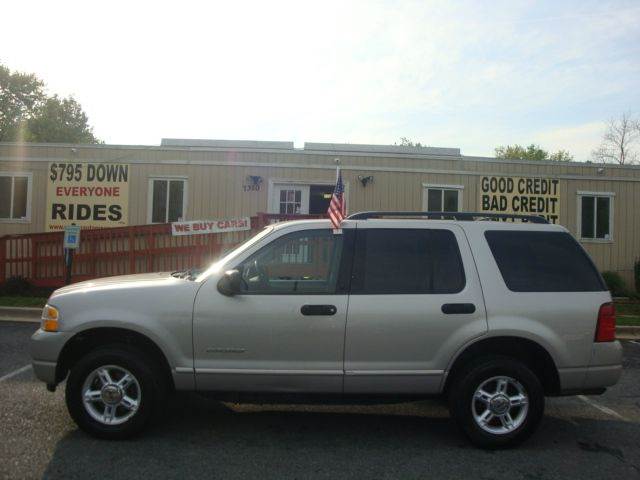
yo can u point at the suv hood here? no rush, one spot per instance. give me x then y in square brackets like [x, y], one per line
[153, 301]
[122, 281]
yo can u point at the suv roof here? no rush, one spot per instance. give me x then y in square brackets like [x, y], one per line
[469, 216]
[467, 220]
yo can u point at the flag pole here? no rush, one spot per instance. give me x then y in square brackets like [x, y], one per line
[337, 162]
[337, 231]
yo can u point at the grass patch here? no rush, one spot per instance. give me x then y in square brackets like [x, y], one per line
[628, 320]
[11, 301]
[628, 308]
[628, 313]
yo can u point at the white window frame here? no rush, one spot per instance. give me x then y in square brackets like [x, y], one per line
[273, 206]
[185, 195]
[425, 194]
[27, 217]
[611, 196]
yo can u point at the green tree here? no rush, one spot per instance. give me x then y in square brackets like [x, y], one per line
[20, 95]
[531, 152]
[28, 114]
[406, 142]
[561, 156]
[60, 120]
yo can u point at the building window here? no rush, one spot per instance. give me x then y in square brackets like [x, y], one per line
[290, 201]
[167, 200]
[300, 199]
[15, 197]
[442, 198]
[595, 215]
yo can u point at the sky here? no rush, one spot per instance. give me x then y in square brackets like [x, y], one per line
[472, 75]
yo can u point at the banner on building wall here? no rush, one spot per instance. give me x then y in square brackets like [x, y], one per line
[198, 227]
[521, 195]
[90, 195]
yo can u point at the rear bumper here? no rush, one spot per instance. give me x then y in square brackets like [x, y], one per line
[603, 371]
[606, 376]
[605, 368]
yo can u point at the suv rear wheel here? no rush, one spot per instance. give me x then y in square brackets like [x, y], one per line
[497, 403]
[111, 393]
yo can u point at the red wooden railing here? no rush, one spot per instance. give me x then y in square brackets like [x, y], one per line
[38, 257]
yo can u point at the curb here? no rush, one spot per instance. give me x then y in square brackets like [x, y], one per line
[625, 332]
[20, 314]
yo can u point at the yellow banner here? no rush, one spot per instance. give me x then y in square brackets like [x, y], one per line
[520, 195]
[90, 195]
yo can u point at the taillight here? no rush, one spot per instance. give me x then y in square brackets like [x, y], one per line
[606, 329]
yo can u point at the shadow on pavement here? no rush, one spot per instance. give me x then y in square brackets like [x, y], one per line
[201, 438]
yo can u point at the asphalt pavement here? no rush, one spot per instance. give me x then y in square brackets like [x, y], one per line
[580, 437]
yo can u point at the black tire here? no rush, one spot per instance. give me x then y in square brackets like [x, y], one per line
[151, 383]
[461, 401]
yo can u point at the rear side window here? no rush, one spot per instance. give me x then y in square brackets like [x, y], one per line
[407, 261]
[543, 262]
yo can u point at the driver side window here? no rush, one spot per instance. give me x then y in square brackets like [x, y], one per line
[297, 263]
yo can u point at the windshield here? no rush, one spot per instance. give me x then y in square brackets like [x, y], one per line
[235, 252]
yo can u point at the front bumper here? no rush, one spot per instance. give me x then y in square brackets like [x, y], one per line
[45, 348]
[45, 371]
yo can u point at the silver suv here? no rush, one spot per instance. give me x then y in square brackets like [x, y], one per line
[492, 315]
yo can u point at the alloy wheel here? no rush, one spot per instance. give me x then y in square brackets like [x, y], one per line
[500, 405]
[111, 395]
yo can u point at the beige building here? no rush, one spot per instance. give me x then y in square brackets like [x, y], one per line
[46, 186]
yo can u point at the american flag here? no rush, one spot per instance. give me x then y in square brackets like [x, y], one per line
[337, 206]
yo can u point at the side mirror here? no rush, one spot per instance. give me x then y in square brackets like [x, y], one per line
[230, 284]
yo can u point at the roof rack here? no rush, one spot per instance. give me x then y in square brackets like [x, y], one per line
[468, 216]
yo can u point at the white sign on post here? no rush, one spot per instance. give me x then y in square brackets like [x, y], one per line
[71, 236]
[199, 227]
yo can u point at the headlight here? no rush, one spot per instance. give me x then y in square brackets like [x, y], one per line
[50, 318]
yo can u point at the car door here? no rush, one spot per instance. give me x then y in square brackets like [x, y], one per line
[284, 332]
[415, 300]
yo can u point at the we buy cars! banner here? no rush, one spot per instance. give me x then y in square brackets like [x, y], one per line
[90, 195]
[198, 227]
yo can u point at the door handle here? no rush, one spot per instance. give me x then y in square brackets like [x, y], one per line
[457, 308]
[318, 310]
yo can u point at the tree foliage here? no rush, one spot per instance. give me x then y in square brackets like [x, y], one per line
[20, 95]
[531, 152]
[620, 141]
[60, 120]
[561, 156]
[28, 114]
[406, 142]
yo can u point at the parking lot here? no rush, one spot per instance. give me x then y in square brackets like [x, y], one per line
[580, 437]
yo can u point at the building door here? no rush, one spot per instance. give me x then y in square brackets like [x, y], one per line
[319, 198]
[290, 199]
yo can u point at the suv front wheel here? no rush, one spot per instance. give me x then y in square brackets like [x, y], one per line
[112, 393]
[497, 403]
